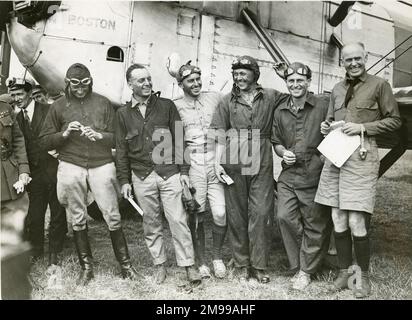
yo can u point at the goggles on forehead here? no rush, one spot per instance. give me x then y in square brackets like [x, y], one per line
[188, 72]
[301, 71]
[77, 82]
[241, 62]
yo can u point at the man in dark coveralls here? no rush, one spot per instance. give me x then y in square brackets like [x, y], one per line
[245, 115]
[305, 225]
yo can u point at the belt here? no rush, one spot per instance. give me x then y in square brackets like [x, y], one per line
[261, 135]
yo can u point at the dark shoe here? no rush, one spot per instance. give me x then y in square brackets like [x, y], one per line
[53, 258]
[84, 253]
[242, 273]
[260, 275]
[36, 254]
[193, 276]
[341, 282]
[35, 258]
[160, 273]
[122, 254]
[129, 273]
[363, 289]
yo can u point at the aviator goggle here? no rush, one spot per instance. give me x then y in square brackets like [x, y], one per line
[241, 62]
[77, 82]
[301, 71]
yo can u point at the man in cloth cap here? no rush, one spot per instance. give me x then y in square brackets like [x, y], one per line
[243, 122]
[367, 105]
[305, 225]
[196, 109]
[43, 168]
[80, 126]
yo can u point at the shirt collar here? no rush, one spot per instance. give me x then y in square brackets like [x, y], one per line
[190, 100]
[30, 107]
[362, 77]
[236, 91]
[138, 103]
[310, 101]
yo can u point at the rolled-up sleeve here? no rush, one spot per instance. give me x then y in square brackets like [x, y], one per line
[388, 106]
[275, 137]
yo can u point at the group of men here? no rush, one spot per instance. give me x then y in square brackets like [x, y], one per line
[219, 147]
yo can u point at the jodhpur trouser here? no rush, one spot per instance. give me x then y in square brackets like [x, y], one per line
[305, 226]
[149, 192]
[249, 206]
[73, 184]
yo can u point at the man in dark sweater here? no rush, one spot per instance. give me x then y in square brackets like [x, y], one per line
[80, 127]
[147, 156]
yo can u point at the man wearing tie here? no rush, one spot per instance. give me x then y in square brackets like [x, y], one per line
[42, 189]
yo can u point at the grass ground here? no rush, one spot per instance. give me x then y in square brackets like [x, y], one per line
[391, 262]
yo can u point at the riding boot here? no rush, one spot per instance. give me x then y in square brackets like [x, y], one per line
[122, 254]
[84, 252]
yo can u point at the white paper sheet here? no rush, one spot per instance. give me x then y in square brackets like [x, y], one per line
[338, 147]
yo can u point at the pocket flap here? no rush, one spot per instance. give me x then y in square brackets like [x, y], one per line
[367, 104]
[131, 135]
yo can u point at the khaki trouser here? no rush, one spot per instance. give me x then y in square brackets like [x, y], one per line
[149, 192]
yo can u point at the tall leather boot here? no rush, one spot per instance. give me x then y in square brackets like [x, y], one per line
[122, 254]
[84, 252]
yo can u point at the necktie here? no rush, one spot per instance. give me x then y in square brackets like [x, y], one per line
[349, 93]
[26, 117]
